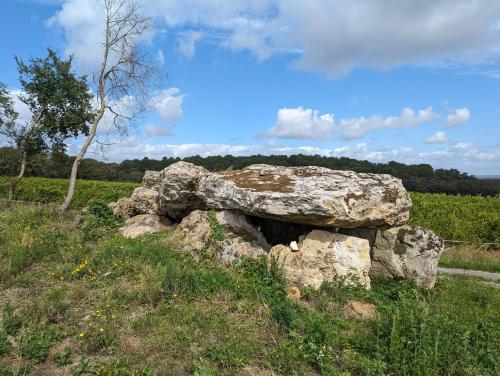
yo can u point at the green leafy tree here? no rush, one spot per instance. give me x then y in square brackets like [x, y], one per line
[60, 104]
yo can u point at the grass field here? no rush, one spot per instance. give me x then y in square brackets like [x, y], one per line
[464, 218]
[74, 304]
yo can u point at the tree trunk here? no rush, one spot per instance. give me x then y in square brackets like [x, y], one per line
[17, 179]
[74, 170]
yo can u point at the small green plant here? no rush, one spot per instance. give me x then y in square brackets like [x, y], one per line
[4, 343]
[35, 343]
[11, 321]
[217, 229]
[97, 219]
[63, 358]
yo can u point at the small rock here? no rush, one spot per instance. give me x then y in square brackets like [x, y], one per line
[293, 246]
[356, 309]
[144, 224]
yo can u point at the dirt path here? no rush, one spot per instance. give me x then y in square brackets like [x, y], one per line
[493, 277]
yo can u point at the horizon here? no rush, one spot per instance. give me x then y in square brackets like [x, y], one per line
[414, 83]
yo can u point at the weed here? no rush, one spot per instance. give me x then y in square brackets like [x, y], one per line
[35, 343]
[217, 229]
[63, 358]
[11, 321]
[4, 343]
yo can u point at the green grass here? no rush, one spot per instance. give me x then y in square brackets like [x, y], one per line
[54, 190]
[112, 306]
[471, 257]
[467, 218]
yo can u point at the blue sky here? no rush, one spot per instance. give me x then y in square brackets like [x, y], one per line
[411, 81]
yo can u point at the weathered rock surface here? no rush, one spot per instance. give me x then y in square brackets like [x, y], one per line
[142, 201]
[407, 252]
[144, 224]
[309, 195]
[241, 238]
[177, 185]
[323, 256]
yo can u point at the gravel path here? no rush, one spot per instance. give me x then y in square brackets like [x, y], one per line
[493, 277]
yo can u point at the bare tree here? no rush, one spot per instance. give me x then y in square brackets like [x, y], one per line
[124, 74]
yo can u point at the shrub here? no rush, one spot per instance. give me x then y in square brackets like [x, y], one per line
[98, 219]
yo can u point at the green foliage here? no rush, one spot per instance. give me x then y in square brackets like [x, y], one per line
[11, 321]
[59, 101]
[63, 358]
[98, 219]
[216, 227]
[466, 218]
[4, 343]
[54, 190]
[35, 343]
[8, 115]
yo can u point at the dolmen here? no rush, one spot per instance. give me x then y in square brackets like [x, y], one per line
[318, 224]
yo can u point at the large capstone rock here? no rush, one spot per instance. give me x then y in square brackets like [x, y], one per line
[407, 252]
[324, 256]
[309, 195]
[144, 224]
[177, 185]
[236, 239]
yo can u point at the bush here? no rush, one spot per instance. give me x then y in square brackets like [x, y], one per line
[98, 219]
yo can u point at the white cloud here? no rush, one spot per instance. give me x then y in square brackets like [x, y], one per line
[154, 131]
[329, 36]
[186, 43]
[302, 123]
[83, 25]
[439, 137]
[357, 127]
[168, 104]
[458, 116]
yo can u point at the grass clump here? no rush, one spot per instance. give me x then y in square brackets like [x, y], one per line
[216, 227]
[4, 343]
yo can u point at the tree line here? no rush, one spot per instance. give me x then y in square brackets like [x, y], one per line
[416, 178]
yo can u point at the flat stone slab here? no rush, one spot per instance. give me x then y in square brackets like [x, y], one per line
[309, 195]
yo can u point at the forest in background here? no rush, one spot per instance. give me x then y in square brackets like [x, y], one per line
[416, 178]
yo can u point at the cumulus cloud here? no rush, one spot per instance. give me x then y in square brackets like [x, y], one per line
[439, 137]
[168, 104]
[329, 36]
[357, 127]
[458, 116]
[186, 43]
[302, 123]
